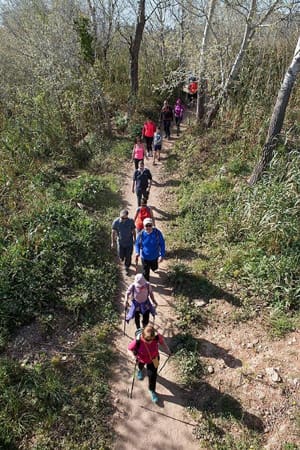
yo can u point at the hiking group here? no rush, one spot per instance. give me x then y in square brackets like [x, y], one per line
[140, 234]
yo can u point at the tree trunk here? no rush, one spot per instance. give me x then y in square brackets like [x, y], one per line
[277, 118]
[248, 34]
[200, 111]
[134, 49]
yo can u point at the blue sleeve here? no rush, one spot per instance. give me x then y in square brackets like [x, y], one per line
[161, 244]
[137, 243]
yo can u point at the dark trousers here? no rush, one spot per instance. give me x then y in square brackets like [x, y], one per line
[125, 253]
[152, 375]
[147, 265]
[136, 162]
[145, 319]
[178, 122]
[149, 141]
[141, 193]
[167, 126]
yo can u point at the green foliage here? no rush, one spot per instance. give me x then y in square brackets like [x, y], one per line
[186, 352]
[82, 25]
[121, 121]
[48, 260]
[281, 324]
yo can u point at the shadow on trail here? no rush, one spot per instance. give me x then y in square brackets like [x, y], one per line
[209, 400]
[195, 286]
[186, 253]
[168, 183]
[204, 348]
[163, 214]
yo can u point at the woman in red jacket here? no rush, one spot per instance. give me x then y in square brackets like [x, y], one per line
[148, 131]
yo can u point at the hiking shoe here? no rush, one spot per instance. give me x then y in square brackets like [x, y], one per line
[140, 375]
[154, 397]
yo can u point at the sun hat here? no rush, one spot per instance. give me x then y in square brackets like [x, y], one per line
[146, 221]
[139, 280]
[123, 213]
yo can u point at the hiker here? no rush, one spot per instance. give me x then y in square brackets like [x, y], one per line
[166, 116]
[157, 142]
[178, 114]
[138, 152]
[142, 213]
[141, 182]
[144, 349]
[150, 245]
[123, 231]
[142, 301]
[193, 89]
[148, 131]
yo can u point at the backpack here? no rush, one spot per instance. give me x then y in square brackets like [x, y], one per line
[138, 335]
[177, 110]
[143, 213]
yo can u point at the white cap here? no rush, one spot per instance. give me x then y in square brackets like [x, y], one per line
[140, 280]
[147, 220]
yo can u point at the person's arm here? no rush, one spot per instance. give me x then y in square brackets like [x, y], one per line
[134, 234]
[132, 154]
[152, 216]
[151, 295]
[113, 237]
[162, 246]
[133, 183]
[136, 214]
[137, 246]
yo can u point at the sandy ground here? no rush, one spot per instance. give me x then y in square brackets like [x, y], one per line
[241, 355]
[138, 422]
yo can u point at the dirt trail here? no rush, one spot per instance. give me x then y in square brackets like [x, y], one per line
[138, 423]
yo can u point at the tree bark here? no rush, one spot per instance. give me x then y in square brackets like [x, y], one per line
[134, 49]
[277, 118]
[200, 111]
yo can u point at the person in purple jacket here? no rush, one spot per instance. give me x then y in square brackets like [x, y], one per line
[178, 114]
[142, 301]
[150, 245]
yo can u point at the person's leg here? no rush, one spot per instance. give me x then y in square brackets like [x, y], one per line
[165, 128]
[128, 255]
[136, 163]
[152, 376]
[146, 269]
[139, 197]
[153, 265]
[145, 319]
[140, 371]
[121, 252]
[137, 319]
[168, 129]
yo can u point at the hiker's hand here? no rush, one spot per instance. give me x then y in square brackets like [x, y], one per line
[160, 259]
[112, 245]
[136, 258]
[126, 305]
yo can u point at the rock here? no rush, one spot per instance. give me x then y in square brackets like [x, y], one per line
[199, 303]
[250, 345]
[273, 374]
[210, 369]
[256, 341]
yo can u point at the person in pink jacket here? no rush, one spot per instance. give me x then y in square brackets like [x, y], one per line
[138, 152]
[145, 351]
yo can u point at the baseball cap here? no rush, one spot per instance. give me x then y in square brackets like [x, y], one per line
[147, 220]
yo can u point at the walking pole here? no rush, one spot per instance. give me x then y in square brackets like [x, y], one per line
[136, 263]
[164, 364]
[125, 313]
[133, 378]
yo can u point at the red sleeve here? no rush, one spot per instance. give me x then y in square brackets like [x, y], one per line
[132, 345]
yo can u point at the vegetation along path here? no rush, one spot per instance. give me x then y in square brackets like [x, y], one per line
[245, 387]
[138, 422]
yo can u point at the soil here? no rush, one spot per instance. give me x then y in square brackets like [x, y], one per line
[258, 377]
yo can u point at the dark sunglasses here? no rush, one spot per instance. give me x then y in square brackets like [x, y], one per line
[148, 225]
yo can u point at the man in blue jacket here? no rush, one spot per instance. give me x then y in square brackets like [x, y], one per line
[150, 245]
